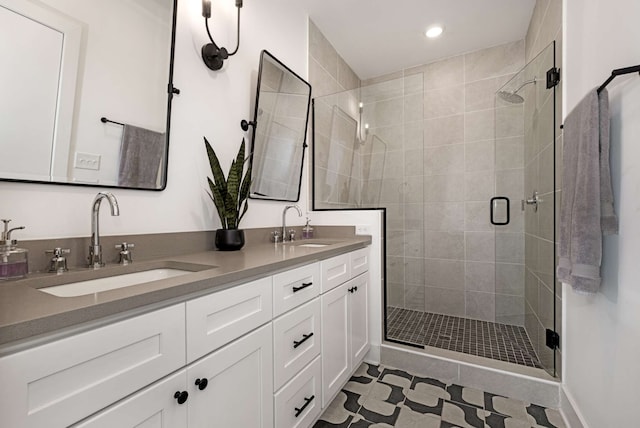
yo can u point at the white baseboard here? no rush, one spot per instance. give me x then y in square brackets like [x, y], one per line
[570, 411]
[373, 356]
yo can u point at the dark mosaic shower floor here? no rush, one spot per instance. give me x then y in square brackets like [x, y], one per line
[501, 342]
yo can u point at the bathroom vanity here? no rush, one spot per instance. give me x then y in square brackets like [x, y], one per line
[265, 337]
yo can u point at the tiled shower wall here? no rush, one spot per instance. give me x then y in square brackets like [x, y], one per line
[442, 249]
[455, 272]
[541, 302]
[330, 74]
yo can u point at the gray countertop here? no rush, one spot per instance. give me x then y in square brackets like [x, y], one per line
[27, 313]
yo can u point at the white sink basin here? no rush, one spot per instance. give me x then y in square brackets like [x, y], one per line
[312, 245]
[91, 286]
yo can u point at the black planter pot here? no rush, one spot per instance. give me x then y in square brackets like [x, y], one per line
[229, 239]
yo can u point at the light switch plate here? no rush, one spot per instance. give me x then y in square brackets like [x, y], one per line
[363, 229]
[87, 161]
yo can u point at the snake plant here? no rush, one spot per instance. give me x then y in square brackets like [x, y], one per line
[229, 194]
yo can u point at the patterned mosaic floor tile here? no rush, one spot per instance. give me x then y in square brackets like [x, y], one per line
[411, 419]
[360, 385]
[378, 411]
[369, 370]
[433, 406]
[494, 420]
[425, 385]
[387, 392]
[468, 396]
[396, 377]
[385, 397]
[543, 417]
[462, 416]
[325, 424]
[505, 406]
[336, 415]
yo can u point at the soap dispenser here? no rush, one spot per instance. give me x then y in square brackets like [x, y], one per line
[13, 260]
[307, 231]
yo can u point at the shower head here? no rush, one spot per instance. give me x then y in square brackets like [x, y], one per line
[513, 97]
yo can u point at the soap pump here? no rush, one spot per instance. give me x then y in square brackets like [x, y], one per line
[307, 231]
[13, 260]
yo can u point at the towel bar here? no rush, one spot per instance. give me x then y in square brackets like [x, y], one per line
[105, 120]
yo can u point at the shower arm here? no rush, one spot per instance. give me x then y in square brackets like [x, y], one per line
[534, 80]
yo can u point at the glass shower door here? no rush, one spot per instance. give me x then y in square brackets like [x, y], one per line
[525, 148]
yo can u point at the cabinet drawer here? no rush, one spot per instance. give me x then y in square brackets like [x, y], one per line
[59, 383]
[334, 271]
[219, 318]
[359, 261]
[296, 341]
[154, 406]
[298, 404]
[294, 287]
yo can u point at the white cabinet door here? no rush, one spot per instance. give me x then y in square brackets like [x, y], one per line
[299, 402]
[294, 287]
[335, 342]
[153, 407]
[239, 389]
[296, 341]
[217, 319]
[358, 289]
[62, 382]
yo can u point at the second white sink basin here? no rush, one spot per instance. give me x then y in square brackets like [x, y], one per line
[91, 286]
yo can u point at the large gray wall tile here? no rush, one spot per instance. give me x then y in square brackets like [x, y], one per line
[495, 61]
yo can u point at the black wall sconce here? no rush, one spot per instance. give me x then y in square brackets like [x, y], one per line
[212, 55]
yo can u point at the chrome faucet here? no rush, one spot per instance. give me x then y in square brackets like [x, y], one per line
[95, 250]
[284, 226]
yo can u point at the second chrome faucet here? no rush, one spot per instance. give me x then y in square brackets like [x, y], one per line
[284, 225]
[95, 249]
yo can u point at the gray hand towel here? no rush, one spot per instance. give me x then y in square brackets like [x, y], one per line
[140, 157]
[587, 201]
[608, 218]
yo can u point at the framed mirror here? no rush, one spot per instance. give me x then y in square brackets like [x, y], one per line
[279, 131]
[88, 90]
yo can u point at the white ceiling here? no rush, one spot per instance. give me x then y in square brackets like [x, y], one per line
[377, 37]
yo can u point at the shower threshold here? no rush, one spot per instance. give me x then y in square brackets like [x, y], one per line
[487, 339]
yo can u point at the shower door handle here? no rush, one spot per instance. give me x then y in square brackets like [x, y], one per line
[495, 203]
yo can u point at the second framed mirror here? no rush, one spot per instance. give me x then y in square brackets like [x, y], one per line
[280, 129]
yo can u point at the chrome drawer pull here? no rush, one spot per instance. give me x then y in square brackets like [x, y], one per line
[306, 403]
[305, 337]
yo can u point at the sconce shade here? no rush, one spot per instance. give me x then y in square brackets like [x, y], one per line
[206, 8]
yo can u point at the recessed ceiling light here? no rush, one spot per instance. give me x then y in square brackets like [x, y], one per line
[434, 31]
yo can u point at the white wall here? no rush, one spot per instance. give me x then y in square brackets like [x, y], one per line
[602, 332]
[210, 104]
